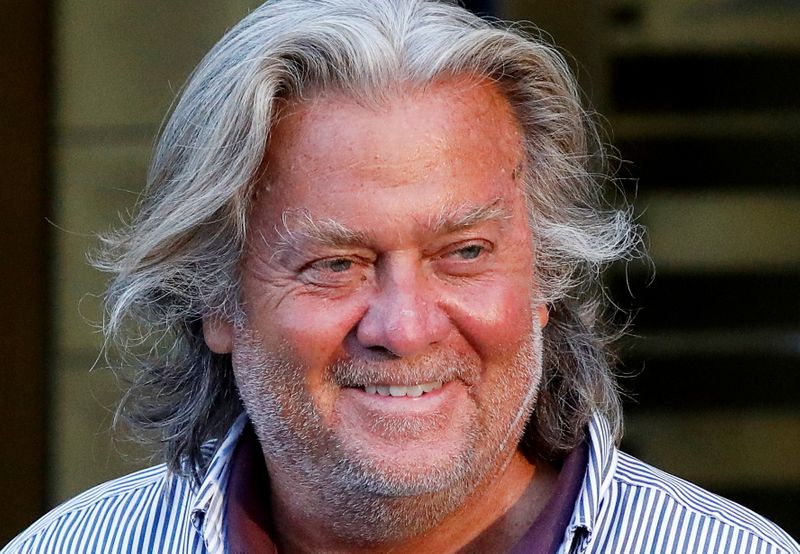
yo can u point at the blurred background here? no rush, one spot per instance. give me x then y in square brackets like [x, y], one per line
[701, 97]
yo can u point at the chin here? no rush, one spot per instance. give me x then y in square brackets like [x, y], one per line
[380, 500]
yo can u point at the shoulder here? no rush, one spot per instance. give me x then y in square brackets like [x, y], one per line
[136, 512]
[658, 512]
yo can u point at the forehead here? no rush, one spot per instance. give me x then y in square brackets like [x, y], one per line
[454, 142]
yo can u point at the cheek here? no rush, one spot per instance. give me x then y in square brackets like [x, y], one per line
[314, 329]
[496, 315]
[494, 318]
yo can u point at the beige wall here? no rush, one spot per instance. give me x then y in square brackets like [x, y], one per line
[722, 230]
[119, 64]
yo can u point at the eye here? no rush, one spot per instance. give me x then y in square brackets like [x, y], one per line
[334, 265]
[335, 272]
[466, 258]
[469, 252]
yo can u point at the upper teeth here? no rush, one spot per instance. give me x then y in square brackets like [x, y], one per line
[402, 390]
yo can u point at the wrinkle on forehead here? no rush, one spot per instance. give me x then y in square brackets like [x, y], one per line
[398, 111]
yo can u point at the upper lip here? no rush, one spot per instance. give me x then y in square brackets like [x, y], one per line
[394, 380]
[400, 383]
[403, 390]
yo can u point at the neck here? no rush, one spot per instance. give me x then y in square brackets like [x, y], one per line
[494, 517]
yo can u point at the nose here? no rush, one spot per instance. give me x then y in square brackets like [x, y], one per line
[403, 316]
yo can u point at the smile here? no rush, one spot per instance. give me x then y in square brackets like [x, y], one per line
[402, 390]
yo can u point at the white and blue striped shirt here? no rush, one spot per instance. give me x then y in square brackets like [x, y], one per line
[624, 506]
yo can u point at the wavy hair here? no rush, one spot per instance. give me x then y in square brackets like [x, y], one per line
[176, 261]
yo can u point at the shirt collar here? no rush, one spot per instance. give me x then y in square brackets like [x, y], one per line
[208, 509]
[597, 481]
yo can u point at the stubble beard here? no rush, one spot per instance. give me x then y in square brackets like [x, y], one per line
[361, 500]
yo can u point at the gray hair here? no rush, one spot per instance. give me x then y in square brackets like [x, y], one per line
[176, 262]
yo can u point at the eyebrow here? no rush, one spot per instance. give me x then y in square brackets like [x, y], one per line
[298, 226]
[453, 218]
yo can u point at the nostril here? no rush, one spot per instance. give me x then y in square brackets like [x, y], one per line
[381, 351]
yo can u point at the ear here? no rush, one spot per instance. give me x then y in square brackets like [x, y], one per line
[218, 334]
[542, 312]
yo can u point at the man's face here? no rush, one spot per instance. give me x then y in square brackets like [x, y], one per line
[388, 344]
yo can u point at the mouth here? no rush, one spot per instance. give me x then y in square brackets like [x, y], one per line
[398, 415]
[413, 391]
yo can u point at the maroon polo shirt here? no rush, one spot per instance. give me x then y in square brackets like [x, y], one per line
[249, 526]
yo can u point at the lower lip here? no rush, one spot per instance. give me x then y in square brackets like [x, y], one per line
[398, 428]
